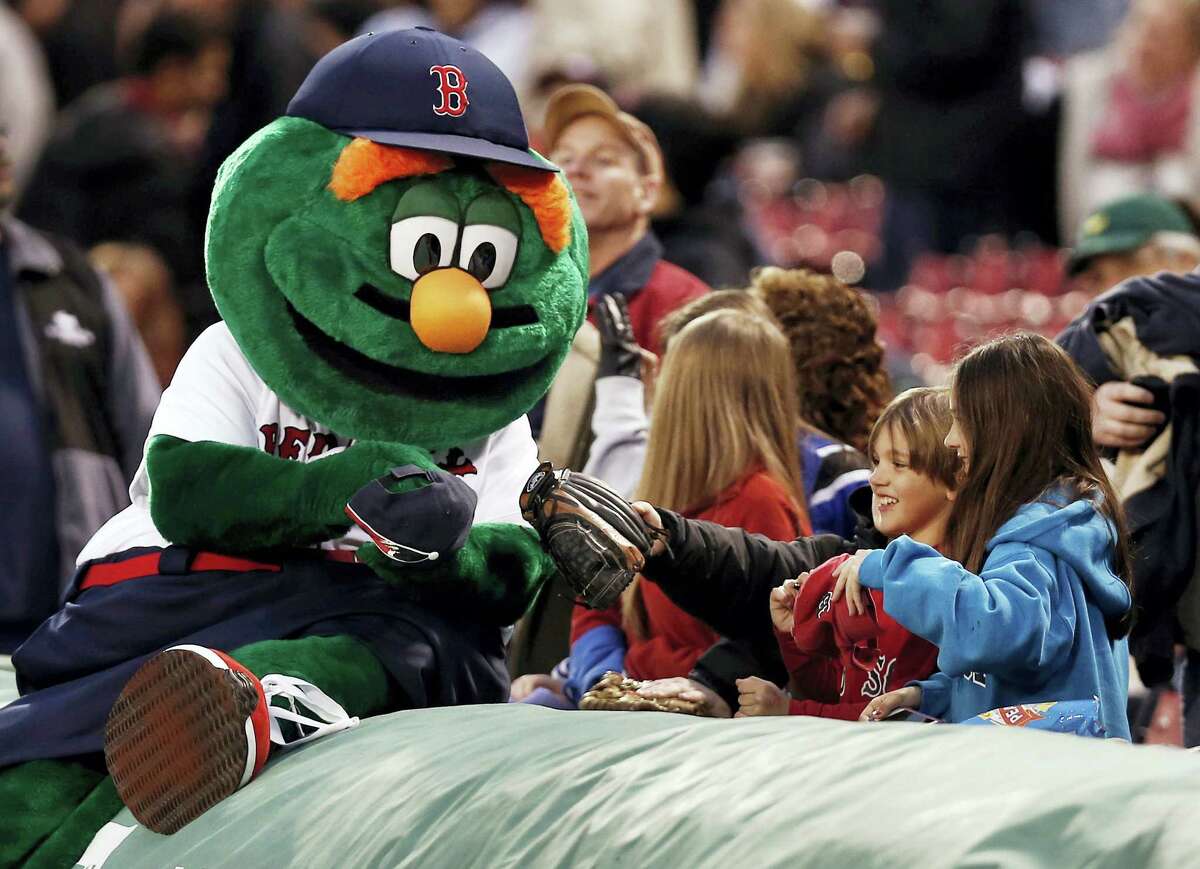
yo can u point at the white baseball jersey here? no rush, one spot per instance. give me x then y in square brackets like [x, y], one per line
[216, 396]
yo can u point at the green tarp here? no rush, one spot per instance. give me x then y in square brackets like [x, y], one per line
[519, 786]
[491, 786]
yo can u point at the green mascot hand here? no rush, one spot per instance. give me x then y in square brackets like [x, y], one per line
[494, 577]
[239, 499]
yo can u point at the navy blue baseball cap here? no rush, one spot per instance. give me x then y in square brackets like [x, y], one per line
[422, 524]
[421, 89]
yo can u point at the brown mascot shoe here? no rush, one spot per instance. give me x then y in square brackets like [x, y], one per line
[189, 729]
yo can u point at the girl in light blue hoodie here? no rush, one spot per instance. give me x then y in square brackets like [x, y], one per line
[1033, 605]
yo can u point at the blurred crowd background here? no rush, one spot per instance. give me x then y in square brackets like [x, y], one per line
[941, 155]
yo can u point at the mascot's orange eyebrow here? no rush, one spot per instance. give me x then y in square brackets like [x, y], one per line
[363, 165]
[546, 196]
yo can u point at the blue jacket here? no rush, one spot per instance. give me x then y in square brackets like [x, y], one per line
[1030, 628]
[833, 471]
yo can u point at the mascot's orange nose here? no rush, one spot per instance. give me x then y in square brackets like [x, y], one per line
[450, 311]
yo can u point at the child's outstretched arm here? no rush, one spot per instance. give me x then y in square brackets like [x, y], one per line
[1009, 620]
[724, 576]
[935, 694]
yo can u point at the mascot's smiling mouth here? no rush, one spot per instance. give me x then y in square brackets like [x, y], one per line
[404, 381]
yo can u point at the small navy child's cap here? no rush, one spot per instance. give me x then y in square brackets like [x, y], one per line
[423, 524]
[421, 89]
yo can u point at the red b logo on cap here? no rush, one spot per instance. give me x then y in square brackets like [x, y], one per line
[452, 85]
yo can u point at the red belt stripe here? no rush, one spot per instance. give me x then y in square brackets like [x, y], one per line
[111, 573]
[147, 565]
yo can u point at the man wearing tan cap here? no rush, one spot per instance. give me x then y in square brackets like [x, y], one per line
[616, 169]
[614, 164]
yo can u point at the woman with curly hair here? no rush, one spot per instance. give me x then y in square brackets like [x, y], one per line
[843, 385]
[839, 363]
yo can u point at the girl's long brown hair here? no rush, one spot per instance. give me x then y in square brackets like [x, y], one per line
[725, 401]
[724, 404]
[1025, 412]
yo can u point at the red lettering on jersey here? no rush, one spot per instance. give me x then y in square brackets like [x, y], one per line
[322, 442]
[452, 86]
[294, 439]
[458, 464]
[270, 432]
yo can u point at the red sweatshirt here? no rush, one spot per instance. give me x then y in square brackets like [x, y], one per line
[676, 640]
[669, 287]
[841, 662]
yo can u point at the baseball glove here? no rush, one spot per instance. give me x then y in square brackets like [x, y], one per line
[597, 540]
[616, 693]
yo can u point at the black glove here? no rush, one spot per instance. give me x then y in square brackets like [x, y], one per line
[620, 354]
[597, 540]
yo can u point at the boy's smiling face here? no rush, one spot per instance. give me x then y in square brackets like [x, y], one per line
[903, 500]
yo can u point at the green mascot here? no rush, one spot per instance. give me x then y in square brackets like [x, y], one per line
[325, 524]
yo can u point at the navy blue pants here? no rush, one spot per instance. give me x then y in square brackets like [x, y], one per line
[72, 668]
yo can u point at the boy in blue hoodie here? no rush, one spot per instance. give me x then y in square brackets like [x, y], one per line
[1035, 604]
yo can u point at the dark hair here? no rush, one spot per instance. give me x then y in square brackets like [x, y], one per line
[839, 363]
[169, 36]
[1025, 411]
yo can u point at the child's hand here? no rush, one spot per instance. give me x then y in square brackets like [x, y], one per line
[885, 704]
[783, 603]
[759, 697]
[847, 581]
[651, 518]
[525, 685]
[687, 689]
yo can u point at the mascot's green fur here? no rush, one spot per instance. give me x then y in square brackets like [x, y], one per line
[324, 255]
[290, 265]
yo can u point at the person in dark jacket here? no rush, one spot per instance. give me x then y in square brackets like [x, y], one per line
[1142, 339]
[840, 661]
[77, 393]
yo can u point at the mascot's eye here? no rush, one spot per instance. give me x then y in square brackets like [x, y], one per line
[427, 253]
[422, 244]
[488, 253]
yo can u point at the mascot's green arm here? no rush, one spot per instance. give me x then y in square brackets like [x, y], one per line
[494, 577]
[241, 499]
